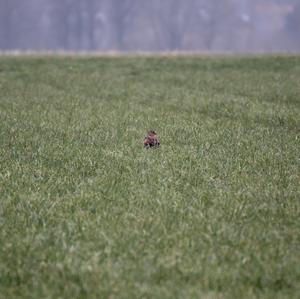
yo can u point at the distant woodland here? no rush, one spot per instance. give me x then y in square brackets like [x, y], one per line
[150, 25]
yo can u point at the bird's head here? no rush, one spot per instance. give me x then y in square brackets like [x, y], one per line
[151, 132]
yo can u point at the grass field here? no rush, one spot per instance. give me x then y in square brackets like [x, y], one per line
[87, 212]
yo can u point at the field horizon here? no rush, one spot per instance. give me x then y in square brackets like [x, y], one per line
[87, 212]
[146, 54]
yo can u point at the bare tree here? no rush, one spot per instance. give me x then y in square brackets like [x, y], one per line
[60, 17]
[20, 24]
[8, 10]
[177, 22]
[91, 17]
[293, 27]
[120, 14]
[170, 23]
[216, 20]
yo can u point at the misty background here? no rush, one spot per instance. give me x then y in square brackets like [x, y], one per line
[150, 25]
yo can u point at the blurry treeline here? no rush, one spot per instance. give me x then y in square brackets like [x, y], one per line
[150, 25]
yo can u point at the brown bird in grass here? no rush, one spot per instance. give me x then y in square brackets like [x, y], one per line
[151, 140]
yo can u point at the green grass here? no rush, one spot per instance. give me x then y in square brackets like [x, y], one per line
[87, 212]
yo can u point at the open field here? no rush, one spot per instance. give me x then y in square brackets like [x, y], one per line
[86, 212]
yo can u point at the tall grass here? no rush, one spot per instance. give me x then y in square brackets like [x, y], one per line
[87, 212]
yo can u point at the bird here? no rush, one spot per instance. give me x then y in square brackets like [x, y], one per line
[151, 140]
